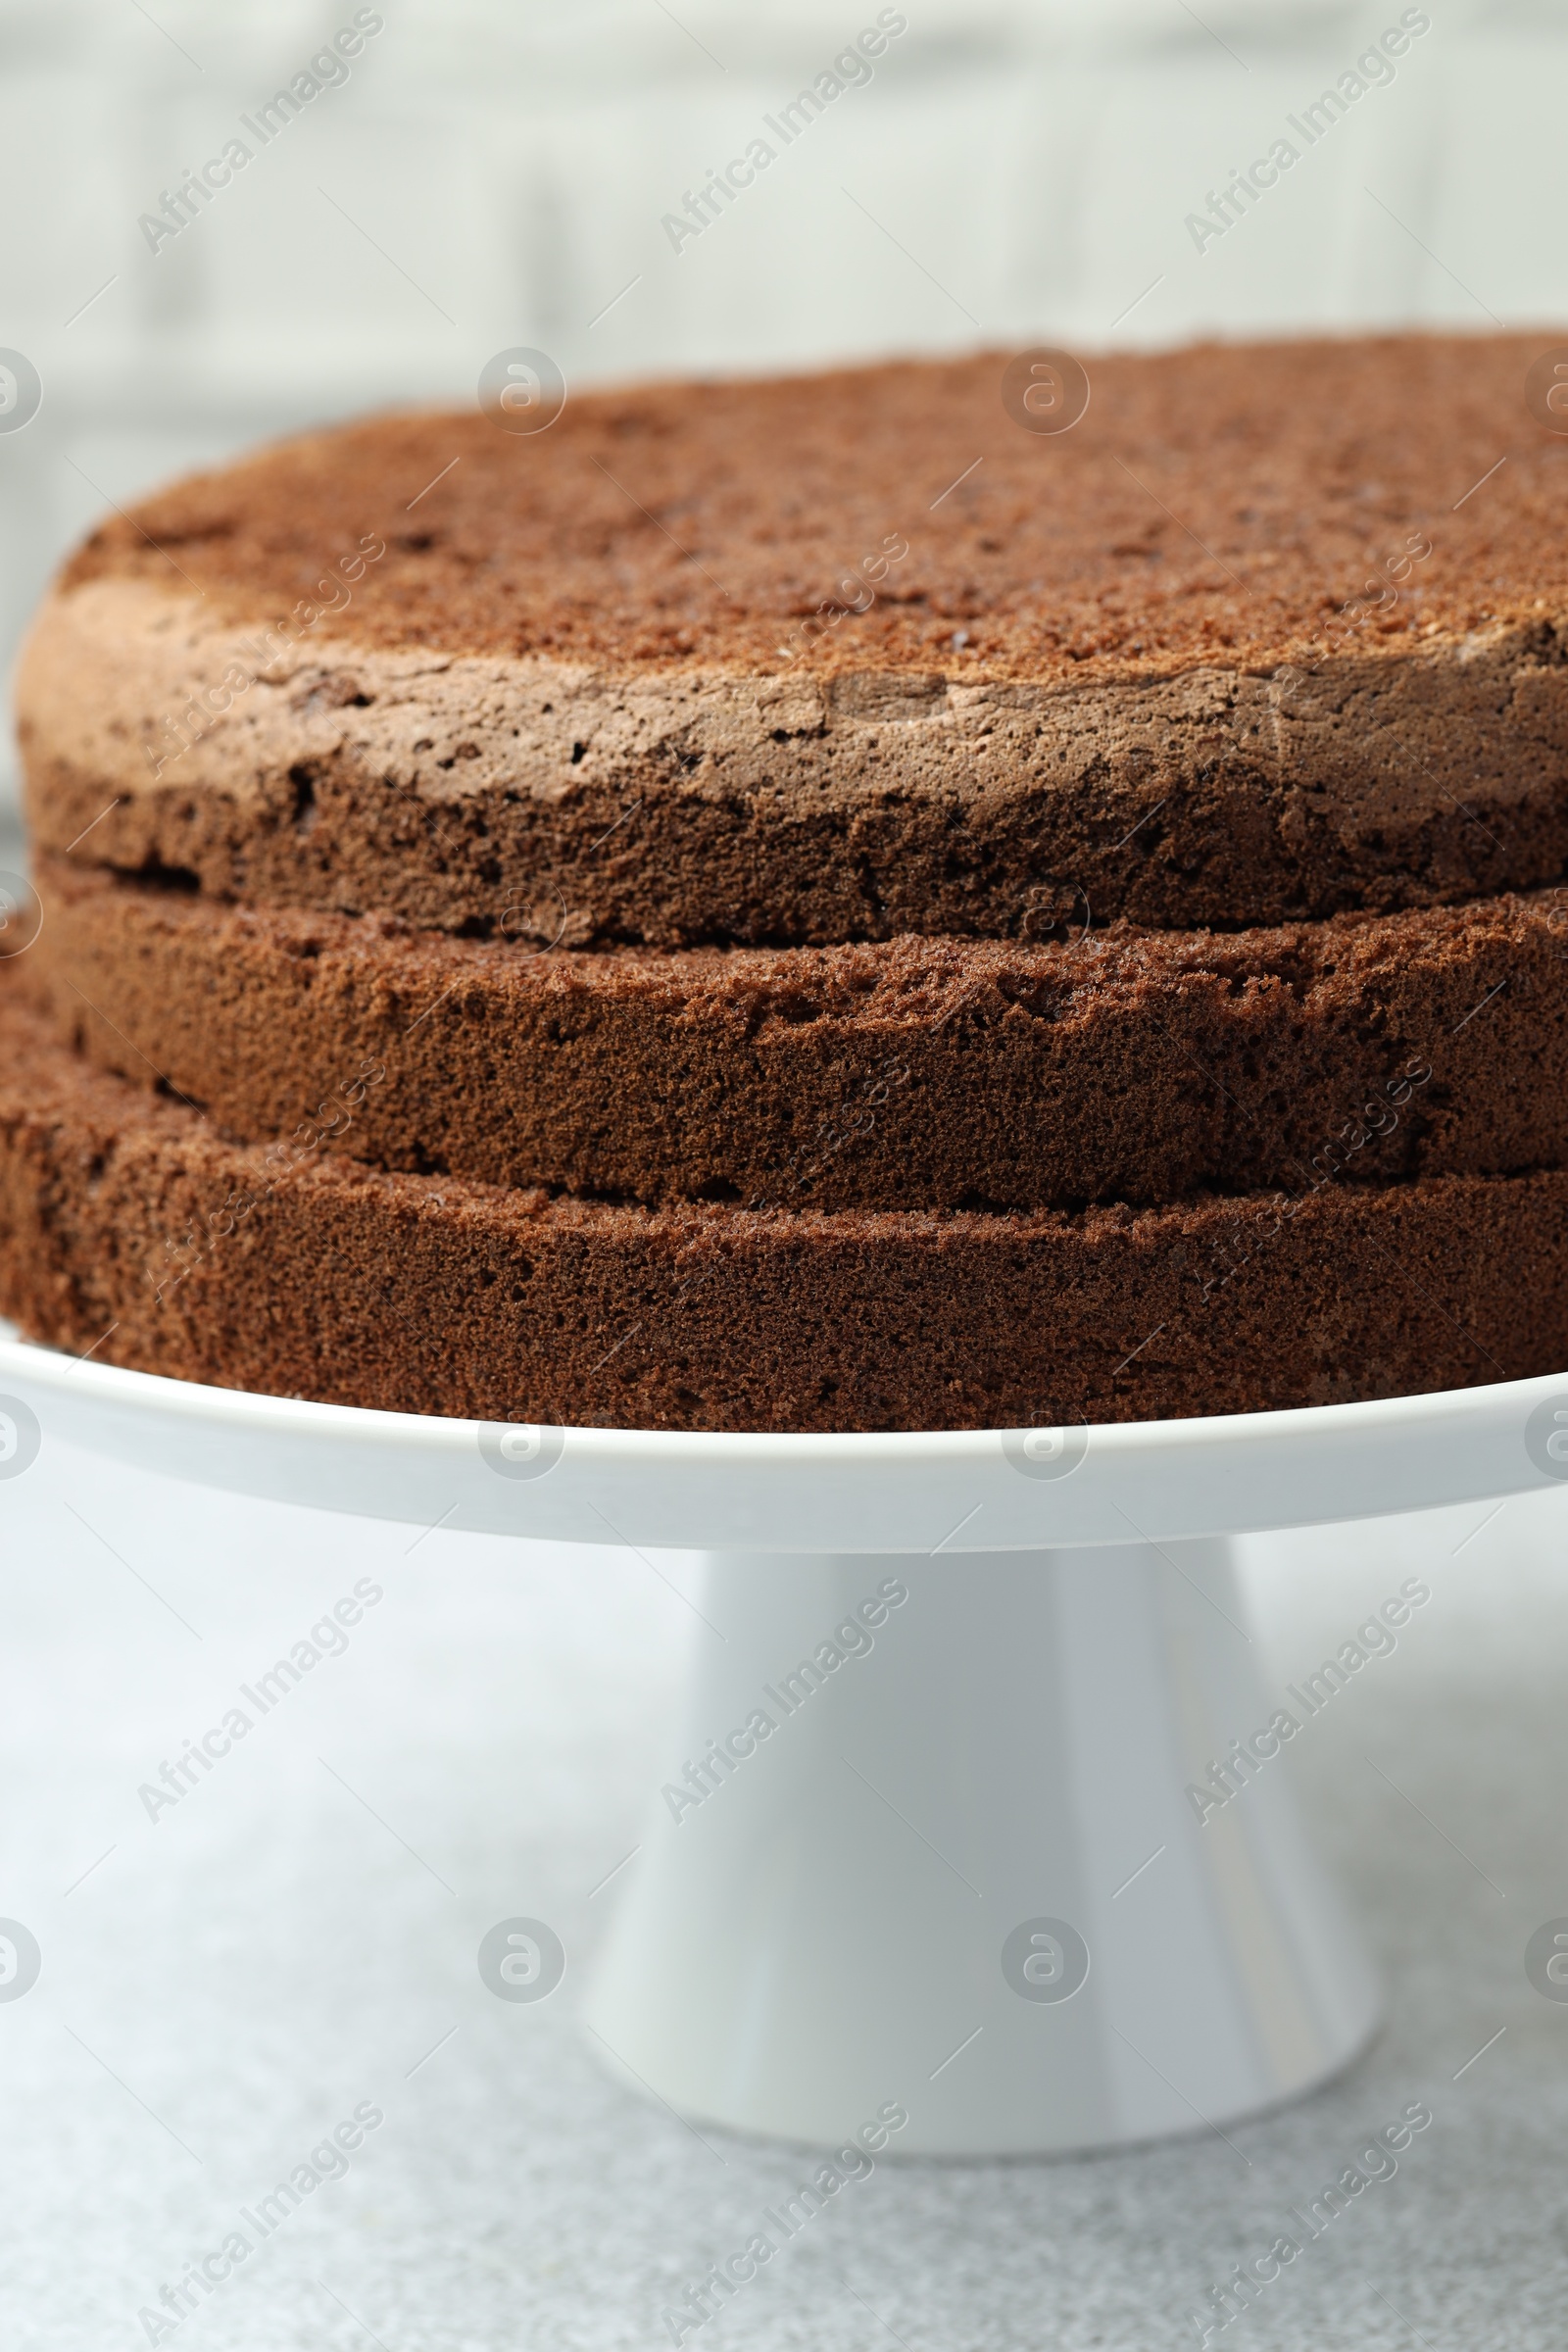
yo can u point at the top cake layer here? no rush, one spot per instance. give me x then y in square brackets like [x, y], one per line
[1269, 633]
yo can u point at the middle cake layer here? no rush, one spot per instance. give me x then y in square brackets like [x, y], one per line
[928, 1073]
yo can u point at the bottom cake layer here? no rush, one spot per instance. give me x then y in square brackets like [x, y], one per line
[129, 1229]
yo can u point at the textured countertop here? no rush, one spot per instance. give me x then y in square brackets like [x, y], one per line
[295, 1939]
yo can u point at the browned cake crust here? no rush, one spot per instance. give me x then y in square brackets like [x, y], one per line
[1272, 632]
[922, 1073]
[128, 1227]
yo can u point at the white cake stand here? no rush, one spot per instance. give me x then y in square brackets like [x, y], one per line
[959, 1874]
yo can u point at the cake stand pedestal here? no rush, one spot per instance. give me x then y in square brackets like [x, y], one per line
[961, 1874]
[927, 1847]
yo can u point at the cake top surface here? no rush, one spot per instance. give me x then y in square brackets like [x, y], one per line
[1224, 506]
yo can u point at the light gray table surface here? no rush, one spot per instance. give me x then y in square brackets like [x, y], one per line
[224, 1984]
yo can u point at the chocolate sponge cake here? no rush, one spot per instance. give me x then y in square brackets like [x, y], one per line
[845, 656]
[810, 904]
[914, 1073]
[299, 1272]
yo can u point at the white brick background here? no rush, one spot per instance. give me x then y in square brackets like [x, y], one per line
[1027, 166]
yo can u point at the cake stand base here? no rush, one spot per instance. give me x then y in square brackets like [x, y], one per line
[925, 1845]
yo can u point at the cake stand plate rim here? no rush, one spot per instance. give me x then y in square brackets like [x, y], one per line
[855, 1492]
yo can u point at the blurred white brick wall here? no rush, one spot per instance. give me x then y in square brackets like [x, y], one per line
[1016, 170]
